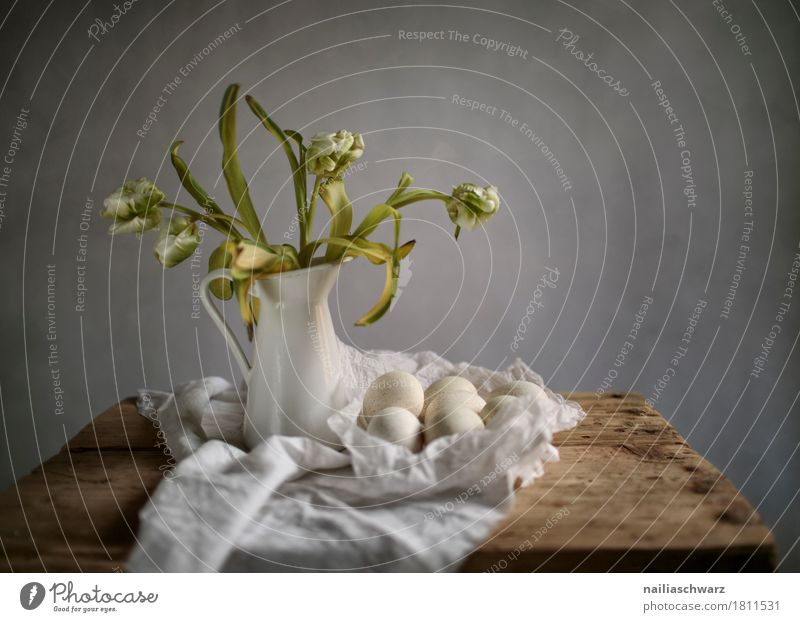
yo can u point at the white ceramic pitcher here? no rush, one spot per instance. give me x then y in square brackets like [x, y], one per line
[293, 383]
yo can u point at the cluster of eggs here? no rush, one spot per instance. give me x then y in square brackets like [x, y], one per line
[397, 410]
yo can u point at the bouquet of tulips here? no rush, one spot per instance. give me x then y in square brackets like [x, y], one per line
[139, 206]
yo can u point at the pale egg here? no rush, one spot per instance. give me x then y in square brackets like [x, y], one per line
[447, 384]
[395, 388]
[454, 422]
[519, 388]
[453, 400]
[494, 404]
[397, 425]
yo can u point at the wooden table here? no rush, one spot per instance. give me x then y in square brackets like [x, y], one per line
[628, 494]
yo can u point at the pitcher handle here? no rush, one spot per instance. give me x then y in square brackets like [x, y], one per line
[219, 320]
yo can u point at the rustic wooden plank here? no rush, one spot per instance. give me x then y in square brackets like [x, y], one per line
[121, 427]
[118, 427]
[77, 511]
[628, 494]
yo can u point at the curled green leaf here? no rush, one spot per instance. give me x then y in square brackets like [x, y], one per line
[375, 217]
[297, 137]
[237, 185]
[335, 197]
[405, 181]
[192, 186]
[385, 300]
[298, 174]
[242, 291]
[376, 253]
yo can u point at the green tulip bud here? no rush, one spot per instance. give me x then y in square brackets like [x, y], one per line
[221, 257]
[471, 205]
[134, 207]
[331, 153]
[137, 224]
[177, 240]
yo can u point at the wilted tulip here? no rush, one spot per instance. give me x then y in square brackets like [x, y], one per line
[331, 153]
[253, 260]
[177, 241]
[471, 205]
[134, 207]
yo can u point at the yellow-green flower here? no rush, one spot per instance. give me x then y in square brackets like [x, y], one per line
[177, 240]
[134, 207]
[252, 260]
[471, 205]
[331, 153]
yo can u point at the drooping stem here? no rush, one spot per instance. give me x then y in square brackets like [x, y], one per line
[312, 204]
[237, 185]
[212, 220]
[414, 196]
[298, 171]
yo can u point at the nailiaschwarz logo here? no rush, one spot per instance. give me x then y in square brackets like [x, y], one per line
[31, 595]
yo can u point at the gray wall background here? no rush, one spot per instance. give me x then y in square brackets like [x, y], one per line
[623, 231]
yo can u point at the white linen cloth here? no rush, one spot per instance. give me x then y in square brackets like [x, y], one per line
[292, 504]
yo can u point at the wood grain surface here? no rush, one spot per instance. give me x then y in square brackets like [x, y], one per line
[628, 494]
